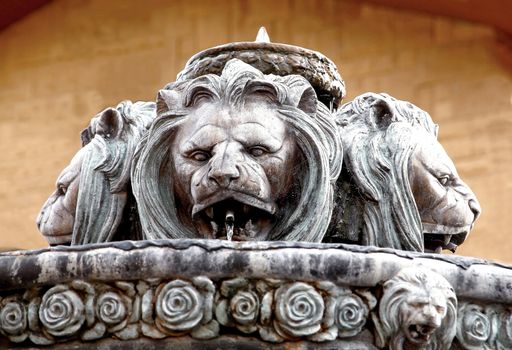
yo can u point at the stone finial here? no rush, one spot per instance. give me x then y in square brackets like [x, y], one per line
[262, 36]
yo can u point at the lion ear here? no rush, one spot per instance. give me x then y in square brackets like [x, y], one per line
[383, 113]
[307, 101]
[109, 124]
[165, 100]
[86, 135]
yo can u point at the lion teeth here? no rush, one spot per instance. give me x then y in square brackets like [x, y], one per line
[249, 228]
[209, 212]
[438, 250]
[230, 224]
[215, 227]
[447, 239]
[452, 247]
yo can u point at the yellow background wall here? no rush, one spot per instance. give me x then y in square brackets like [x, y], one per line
[67, 61]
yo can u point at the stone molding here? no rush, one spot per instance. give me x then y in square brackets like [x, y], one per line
[272, 291]
[272, 58]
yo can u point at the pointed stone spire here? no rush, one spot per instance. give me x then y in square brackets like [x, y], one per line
[262, 36]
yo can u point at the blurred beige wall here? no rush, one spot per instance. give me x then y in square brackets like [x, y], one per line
[67, 61]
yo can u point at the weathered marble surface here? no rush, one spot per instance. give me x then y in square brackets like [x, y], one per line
[250, 144]
[339, 263]
[132, 290]
[242, 156]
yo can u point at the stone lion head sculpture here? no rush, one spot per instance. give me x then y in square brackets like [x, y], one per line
[418, 310]
[239, 155]
[92, 191]
[404, 183]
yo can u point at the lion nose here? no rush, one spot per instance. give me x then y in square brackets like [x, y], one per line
[39, 219]
[432, 316]
[475, 208]
[224, 170]
[223, 176]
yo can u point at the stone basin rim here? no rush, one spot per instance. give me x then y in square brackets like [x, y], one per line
[355, 266]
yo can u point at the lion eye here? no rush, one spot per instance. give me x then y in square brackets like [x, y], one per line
[443, 180]
[200, 98]
[200, 156]
[61, 189]
[257, 151]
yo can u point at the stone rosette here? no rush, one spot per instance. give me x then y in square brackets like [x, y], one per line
[299, 310]
[474, 327]
[281, 310]
[62, 311]
[13, 319]
[179, 307]
[239, 305]
[351, 313]
[484, 326]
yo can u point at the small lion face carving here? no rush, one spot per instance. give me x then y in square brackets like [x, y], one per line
[418, 310]
[231, 168]
[57, 216]
[423, 313]
[447, 206]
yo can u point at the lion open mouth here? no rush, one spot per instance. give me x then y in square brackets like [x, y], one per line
[235, 220]
[435, 243]
[440, 237]
[420, 333]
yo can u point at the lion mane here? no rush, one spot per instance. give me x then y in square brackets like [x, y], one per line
[378, 135]
[109, 142]
[393, 308]
[305, 215]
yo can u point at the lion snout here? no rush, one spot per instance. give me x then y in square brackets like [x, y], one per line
[432, 320]
[475, 208]
[39, 219]
[223, 173]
